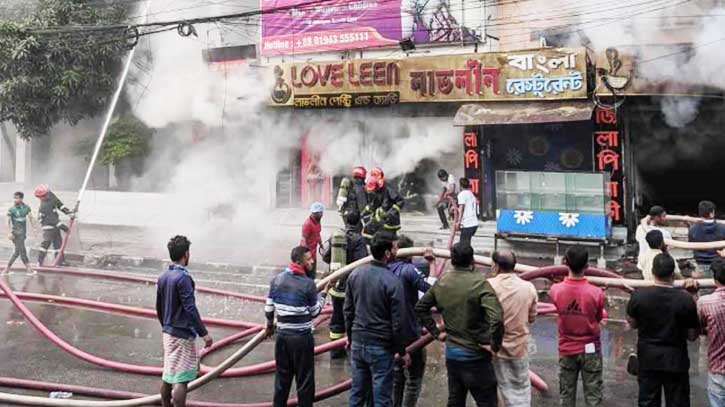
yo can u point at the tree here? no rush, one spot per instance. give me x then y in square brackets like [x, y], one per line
[128, 137]
[126, 145]
[51, 76]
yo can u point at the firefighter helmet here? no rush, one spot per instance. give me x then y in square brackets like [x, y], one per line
[371, 183]
[42, 191]
[377, 172]
[359, 172]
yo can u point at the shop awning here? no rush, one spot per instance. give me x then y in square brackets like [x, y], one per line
[523, 112]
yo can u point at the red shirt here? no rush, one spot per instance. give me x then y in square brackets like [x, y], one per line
[581, 307]
[711, 309]
[311, 235]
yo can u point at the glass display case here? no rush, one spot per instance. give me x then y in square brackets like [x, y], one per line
[571, 204]
[571, 192]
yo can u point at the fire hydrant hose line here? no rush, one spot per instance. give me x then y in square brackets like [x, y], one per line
[529, 272]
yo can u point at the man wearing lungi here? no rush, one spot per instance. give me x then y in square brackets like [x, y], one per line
[181, 323]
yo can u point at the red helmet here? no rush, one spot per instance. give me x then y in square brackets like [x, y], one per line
[377, 172]
[42, 190]
[371, 184]
[359, 172]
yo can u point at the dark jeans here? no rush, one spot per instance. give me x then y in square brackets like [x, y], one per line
[476, 377]
[371, 364]
[443, 213]
[590, 367]
[466, 235]
[407, 383]
[295, 358]
[20, 251]
[675, 385]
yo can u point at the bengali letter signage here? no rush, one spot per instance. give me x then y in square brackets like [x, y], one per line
[523, 75]
[299, 26]
[608, 157]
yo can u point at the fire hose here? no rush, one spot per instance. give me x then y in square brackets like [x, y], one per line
[29, 400]
[720, 244]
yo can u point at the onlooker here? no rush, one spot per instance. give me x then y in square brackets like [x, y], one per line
[294, 297]
[181, 324]
[449, 191]
[518, 299]
[580, 306]
[712, 320]
[407, 382]
[657, 246]
[665, 318]
[468, 206]
[709, 230]
[656, 243]
[18, 218]
[656, 220]
[473, 328]
[311, 231]
[374, 317]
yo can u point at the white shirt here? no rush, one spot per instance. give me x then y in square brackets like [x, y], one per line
[641, 236]
[469, 217]
[450, 184]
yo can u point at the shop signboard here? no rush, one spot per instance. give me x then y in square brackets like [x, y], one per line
[543, 74]
[608, 157]
[303, 26]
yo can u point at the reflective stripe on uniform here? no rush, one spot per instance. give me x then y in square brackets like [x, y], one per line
[337, 294]
[48, 227]
[337, 335]
[392, 227]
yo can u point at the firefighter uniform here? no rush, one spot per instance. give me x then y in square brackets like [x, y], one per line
[353, 198]
[355, 250]
[382, 212]
[51, 225]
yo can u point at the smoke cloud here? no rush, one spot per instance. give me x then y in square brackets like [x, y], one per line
[218, 148]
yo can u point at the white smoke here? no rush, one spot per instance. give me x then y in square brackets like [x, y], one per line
[222, 177]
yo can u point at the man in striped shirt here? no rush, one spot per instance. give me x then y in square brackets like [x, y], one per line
[293, 296]
[711, 311]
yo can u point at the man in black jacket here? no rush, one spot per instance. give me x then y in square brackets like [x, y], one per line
[706, 231]
[374, 320]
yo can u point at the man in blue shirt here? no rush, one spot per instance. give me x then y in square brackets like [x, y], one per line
[181, 324]
[294, 297]
[709, 230]
[407, 382]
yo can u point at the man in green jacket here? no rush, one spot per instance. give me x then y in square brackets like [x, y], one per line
[474, 328]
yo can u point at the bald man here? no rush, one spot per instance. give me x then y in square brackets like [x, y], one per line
[518, 299]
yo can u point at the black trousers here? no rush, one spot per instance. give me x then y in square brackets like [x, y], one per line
[467, 235]
[476, 377]
[408, 382]
[51, 237]
[20, 251]
[676, 387]
[295, 358]
[337, 319]
[443, 213]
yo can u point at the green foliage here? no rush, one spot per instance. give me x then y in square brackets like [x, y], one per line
[49, 77]
[127, 137]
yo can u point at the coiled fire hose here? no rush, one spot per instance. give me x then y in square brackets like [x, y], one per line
[529, 273]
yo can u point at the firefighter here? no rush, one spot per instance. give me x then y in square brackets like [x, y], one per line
[350, 249]
[352, 197]
[384, 205]
[50, 222]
